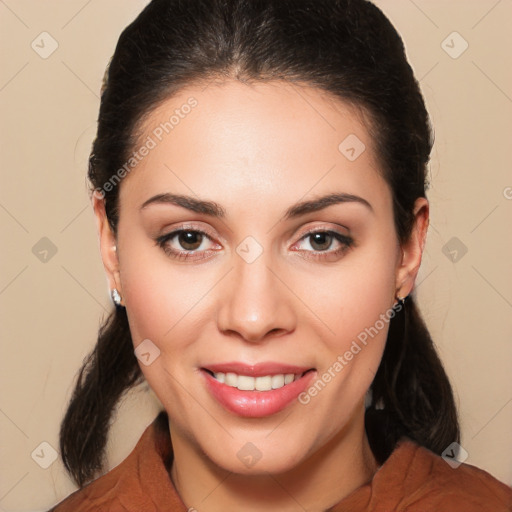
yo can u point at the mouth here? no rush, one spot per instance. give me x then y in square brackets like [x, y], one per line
[256, 391]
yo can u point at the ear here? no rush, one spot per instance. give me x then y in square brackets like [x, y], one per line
[108, 243]
[412, 249]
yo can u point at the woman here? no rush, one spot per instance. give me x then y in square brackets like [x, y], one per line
[259, 188]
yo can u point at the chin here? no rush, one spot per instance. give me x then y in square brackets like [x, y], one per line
[271, 464]
[259, 453]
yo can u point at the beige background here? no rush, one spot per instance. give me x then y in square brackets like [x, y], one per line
[50, 310]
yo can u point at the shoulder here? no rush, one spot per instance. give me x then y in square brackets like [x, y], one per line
[423, 480]
[106, 493]
[140, 482]
[101, 495]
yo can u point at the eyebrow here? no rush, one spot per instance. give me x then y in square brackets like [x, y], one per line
[322, 202]
[210, 208]
[213, 209]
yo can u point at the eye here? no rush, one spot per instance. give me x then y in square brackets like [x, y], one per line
[186, 244]
[321, 242]
[192, 244]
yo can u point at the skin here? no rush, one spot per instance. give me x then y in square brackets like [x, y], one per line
[256, 150]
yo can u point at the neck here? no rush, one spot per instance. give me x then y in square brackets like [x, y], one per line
[342, 465]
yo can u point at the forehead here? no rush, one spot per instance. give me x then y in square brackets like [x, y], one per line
[272, 139]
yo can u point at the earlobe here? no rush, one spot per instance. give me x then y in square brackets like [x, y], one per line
[412, 250]
[108, 243]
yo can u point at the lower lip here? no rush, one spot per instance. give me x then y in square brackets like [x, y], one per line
[256, 404]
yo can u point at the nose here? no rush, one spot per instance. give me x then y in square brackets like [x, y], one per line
[255, 304]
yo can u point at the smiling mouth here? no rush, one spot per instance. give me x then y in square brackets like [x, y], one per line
[261, 383]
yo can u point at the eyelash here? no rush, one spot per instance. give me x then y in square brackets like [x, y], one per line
[162, 241]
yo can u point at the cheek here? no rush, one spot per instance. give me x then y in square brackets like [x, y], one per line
[167, 304]
[163, 305]
[159, 297]
[357, 307]
[357, 293]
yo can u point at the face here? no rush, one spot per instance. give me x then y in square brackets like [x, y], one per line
[241, 277]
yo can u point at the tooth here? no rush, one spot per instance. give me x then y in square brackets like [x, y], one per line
[263, 383]
[231, 379]
[288, 378]
[277, 381]
[245, 383]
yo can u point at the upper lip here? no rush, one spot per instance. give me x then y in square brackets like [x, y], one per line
[258, 369]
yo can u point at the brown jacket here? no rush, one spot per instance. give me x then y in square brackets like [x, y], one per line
[413, 479]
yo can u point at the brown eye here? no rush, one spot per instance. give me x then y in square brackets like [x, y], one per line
[321, 241]
[190, 240]
[187, 244]
[324, 245]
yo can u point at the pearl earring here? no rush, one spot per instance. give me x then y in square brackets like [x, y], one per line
[116, 297]
[400, 300]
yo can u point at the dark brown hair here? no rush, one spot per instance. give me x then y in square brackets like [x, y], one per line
[345, 47]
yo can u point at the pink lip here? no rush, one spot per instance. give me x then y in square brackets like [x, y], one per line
[256, 370]
[256, 404]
